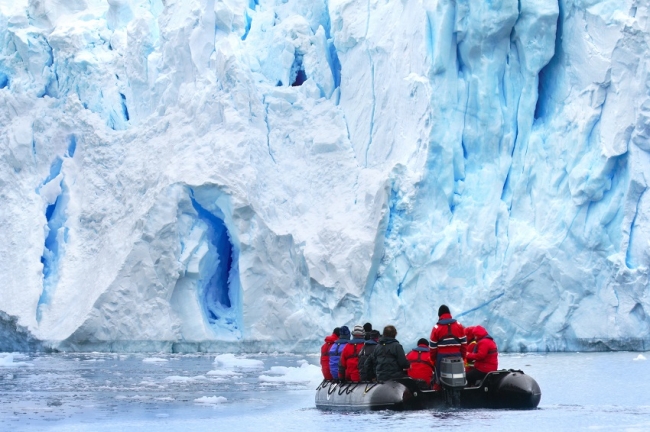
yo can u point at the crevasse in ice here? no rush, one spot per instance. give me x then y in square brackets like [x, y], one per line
[243, 174]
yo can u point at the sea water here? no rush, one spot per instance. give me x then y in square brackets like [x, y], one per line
[183, 392]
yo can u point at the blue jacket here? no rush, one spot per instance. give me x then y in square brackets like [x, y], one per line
[335, 355]
[337, 349]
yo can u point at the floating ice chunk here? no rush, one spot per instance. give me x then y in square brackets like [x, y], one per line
[640, 357]
[230, 361]
[305, 373]
[135, 397]
[184, 379]
[211, 400]
[154, 360]
[7, 360]
[221, 372]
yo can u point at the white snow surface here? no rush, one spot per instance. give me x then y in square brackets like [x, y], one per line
[245, 175]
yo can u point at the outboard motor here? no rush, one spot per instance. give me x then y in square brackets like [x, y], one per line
[452, 378]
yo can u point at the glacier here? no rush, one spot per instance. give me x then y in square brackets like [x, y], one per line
[245, 175]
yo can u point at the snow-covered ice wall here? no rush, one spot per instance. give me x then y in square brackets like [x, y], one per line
[247, 175]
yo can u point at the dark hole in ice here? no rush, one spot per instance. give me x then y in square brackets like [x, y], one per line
[301, 77]
[297, 75]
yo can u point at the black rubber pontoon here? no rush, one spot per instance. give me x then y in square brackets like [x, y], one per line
[402, 394]
[503, 389]
[509, 389]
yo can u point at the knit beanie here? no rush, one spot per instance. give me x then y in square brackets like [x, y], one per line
[444, 309]
[358, 331]
[344, 332]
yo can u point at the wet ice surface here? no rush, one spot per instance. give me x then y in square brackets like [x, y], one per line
[112, 392]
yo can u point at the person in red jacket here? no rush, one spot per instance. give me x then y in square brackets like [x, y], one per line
[349, 362]
[421, 363]
[447, 340]
[485, 356]
[325, 354]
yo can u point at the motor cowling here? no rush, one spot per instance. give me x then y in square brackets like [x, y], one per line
[452, 372]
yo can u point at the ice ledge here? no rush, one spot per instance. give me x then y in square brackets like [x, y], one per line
[273, 346]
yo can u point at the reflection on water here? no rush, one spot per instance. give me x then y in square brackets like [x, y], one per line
[108, 392]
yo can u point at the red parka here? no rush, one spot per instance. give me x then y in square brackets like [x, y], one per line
[485, 353]
[349, 363]
[421, 364]
[448, 337]
[325, 356]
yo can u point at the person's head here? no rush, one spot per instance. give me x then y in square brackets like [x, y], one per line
[367, 327]
[358, 332]
[390, 331]
[344, 332]
[444, 309]
[337, 331]
[374, 335]
[469, 333]
[479, 332]
[423, 342]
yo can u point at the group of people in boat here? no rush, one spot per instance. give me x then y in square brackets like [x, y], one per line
[365, 355]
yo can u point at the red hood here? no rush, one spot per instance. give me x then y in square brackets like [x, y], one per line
[444, 317]
[469, 332]
[331, 338]
[480, 332]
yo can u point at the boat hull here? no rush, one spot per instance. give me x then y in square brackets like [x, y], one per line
[505, 389]
[508, 389]
[402, 394]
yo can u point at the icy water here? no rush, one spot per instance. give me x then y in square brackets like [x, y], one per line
[109, 392]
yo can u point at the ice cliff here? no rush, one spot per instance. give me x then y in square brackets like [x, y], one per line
[247, 175]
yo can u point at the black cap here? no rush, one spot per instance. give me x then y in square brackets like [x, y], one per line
[337, 331]
[423, 341]
[444, 309]
[367, 327]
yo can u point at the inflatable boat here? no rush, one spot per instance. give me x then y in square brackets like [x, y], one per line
[505, 389]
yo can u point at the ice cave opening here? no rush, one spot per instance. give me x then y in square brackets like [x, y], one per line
[218, 285]
[301, 77]
[298, 75]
